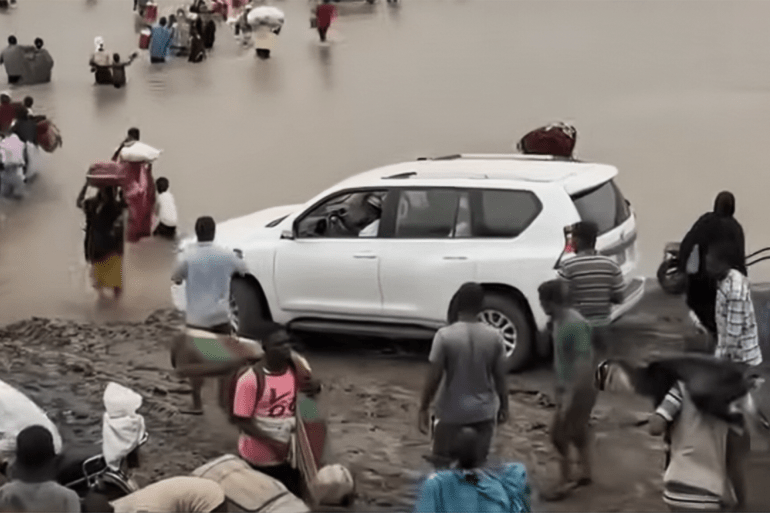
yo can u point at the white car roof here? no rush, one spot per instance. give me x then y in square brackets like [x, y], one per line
[507, 170]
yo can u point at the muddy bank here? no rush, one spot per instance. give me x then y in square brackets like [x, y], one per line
[370, 398]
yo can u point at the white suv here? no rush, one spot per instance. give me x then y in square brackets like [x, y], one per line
[384, 252]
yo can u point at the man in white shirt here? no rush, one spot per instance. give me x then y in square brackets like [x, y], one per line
[165, 210]
[12, 153]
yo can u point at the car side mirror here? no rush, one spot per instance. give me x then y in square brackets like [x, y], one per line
[287, 234]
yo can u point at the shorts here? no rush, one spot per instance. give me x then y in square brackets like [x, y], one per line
[444, 435]
[573, 414]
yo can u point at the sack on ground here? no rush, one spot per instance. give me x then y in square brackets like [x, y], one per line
[249, 489]
[333, 485]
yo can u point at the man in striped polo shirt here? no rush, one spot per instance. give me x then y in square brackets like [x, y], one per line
[595, 281]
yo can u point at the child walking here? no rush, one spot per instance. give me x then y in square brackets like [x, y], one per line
[165, 210]
[575, 389]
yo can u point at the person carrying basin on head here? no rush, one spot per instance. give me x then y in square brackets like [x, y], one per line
[104, 238]
[33, 485]
[100, 63]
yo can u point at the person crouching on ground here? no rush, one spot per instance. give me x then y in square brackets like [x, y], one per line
[165, 210]
[469, 356]
[575, 390]
[176, 494]
[33, 485]
[265, 404]
[469, 487]
[696, 476]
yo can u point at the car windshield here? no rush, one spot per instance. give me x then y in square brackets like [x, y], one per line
[603, 205]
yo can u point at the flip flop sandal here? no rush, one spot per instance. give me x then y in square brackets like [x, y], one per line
[191, 412]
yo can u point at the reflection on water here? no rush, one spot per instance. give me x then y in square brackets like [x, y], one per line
[396, 82]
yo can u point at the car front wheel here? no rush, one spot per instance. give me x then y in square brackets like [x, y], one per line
[507, 316]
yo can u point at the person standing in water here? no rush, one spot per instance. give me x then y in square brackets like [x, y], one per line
[325, 14]
[100, 63]
[119, 69]
[13, 58]
[160, 42]
[104, 233]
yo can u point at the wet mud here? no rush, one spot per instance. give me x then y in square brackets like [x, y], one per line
[370, 399]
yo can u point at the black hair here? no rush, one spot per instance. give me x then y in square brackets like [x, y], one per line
[470, 298]
[724, 204]
[162, 21]
[554, 292]
[39, 42]
[585, 232]
[116, 57]
[205, 228]
[161, 184]
[465, 447]
[12, 40]
[134, 133]
[28, 101]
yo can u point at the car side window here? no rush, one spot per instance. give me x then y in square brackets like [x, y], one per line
[426, 213]
[503, 213]
[345, 215]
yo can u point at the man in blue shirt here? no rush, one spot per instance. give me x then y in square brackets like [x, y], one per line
[208, 270]
[160, 42]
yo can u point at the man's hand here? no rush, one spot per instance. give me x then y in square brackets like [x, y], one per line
[657, 425]
[423, 421]
[503, 415]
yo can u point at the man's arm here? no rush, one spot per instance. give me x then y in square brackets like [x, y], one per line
[180, 273]
[435, 373]
[733, 309]
[667, 410]
[501, 382]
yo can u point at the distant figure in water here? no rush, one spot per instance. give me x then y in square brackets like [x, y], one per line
[7, 112]
[119, 69]
[40, 66]
[104, 238]
[324, 13]
[100, 63]
[13, 58]
[197, 48]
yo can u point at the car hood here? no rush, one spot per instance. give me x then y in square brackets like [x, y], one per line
[236, 232]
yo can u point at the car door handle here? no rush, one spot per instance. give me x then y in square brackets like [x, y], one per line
[367, 256]
[455, 258]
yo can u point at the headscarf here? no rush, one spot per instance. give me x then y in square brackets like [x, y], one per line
[724, 204]
[99, 43]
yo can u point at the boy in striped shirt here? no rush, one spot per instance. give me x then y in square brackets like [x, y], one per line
[595, 281]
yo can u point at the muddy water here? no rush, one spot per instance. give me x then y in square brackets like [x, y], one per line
[673, 93]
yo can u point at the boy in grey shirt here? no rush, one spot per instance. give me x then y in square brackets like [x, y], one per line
[470, 358]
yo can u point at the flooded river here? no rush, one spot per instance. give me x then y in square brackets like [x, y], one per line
[675, 93]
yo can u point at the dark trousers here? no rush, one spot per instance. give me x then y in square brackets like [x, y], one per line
[263, 53]
[14, 79]
[157, 60]
[322, 32]
[445, 434]
[167, 232]
[284, 473]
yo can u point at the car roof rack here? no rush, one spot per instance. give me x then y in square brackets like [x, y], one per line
[503, 156]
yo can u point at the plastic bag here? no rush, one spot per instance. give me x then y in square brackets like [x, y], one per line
[139, 152]
[120, 401]
[122, 427]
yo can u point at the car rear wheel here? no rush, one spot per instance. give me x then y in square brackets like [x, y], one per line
[247, 310]
[507, 316]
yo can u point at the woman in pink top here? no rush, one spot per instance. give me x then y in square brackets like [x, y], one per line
[264, 409]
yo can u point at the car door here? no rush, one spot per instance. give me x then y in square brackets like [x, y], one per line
[424, 258]
[325, 267]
